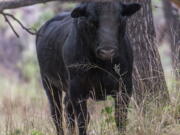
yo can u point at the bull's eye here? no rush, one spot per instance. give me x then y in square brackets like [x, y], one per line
[92, 24]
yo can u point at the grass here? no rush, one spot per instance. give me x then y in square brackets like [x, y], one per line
[24, 110]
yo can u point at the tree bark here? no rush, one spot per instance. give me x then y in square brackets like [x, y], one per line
[172, 19]
[149, 80]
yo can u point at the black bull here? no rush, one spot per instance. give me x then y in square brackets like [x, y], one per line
[86, 54]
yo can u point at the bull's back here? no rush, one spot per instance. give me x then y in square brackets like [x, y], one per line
[49, 44]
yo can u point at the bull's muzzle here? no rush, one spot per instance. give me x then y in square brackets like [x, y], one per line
[106, 53]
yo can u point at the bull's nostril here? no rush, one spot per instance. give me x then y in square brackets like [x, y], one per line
[106, 53]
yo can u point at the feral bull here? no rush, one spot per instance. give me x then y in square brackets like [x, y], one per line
[86, 54]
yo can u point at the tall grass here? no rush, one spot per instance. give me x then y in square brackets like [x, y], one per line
[24, 110]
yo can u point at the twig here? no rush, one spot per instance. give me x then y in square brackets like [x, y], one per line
[6, 15]
[7, 20]
[29, 30]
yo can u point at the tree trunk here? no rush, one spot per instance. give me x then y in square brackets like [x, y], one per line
[149, 80]
[172, 19]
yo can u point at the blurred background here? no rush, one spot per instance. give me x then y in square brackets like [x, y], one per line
[23, 105]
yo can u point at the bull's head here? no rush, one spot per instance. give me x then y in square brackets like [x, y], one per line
[102, 24]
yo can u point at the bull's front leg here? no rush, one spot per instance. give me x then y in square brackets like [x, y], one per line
[122, 100]
[79, 101]
[82, 116]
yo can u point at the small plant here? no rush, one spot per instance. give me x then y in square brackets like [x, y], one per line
[17, 132]
[177, 114]
[35, 132]
[108, 111]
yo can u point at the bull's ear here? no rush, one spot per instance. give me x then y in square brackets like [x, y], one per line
[79, 11]
[130, 9]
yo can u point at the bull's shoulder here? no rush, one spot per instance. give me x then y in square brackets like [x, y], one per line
[60, 18]
[58, 25]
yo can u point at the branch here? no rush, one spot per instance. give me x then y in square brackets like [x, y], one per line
[20, 3]
[29, 30]
[7, 20]
[11, 4]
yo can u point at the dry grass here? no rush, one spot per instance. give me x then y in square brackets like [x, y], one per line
[24, 111]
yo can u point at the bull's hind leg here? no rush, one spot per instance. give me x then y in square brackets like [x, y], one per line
[54, 95]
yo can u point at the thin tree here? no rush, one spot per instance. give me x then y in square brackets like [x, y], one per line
[172, 20]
